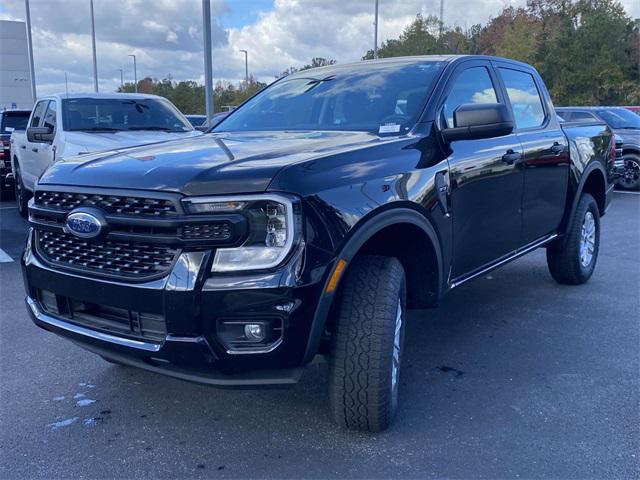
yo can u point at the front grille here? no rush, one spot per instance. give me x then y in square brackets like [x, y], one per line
[208, 231]
[127, 260]
[114, 320]
[110, 204]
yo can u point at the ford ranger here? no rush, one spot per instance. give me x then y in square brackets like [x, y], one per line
[310, 219]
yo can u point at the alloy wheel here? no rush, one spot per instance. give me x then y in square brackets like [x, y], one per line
[587, 239]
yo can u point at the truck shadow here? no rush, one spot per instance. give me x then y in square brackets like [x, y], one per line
[449, 353]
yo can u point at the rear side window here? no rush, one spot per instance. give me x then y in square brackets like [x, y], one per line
[38, 113]
[583, 117]
[473, 85]
[50, 116]
[14, 121]
[525, 98]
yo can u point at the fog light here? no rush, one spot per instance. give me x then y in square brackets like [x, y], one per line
[254, 332]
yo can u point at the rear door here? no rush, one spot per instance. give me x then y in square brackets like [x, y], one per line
[486, 184]
[546, 154]
[29, 150]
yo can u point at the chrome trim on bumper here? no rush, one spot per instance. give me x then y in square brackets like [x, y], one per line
[47, 319]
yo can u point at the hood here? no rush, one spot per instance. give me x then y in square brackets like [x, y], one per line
[95, 141]
[215, 163]
[628, 136]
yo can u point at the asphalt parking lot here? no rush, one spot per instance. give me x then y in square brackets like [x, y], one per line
[513, 376]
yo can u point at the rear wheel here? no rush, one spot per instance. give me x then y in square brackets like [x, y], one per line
[572, 259]
[366, 349]
[21, 193]
[630, 179]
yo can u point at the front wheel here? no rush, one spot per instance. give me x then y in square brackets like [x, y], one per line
[572, 259]
[21, 193]
[366, 345]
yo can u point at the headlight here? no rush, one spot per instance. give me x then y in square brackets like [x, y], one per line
[272, 225]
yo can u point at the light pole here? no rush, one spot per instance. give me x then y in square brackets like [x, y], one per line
[208, 67]
[93, 43]
[30, 45]
[246, 69]
[441, 18]
[121, 79]
[375, 32]
[135, 72]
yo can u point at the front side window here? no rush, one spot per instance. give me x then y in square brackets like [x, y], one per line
[378, 98]
[50, 116]
[38, 113]
[121, 114]
[473, 85]
[526, 103]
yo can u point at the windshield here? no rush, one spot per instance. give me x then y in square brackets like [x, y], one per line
[14, 121]
[196, 120]
[380, 98]
[620, 118]
[115, 114]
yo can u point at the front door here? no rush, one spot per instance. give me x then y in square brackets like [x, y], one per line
[45, 155]
[29, 150]
[486, 182]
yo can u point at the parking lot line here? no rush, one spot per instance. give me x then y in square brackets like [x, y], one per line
[4, 257]
[627, 191]
[8, 208]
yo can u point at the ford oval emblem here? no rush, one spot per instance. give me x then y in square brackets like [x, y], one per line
[83, 224]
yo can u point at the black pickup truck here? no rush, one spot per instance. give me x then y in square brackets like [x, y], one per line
[310, 219]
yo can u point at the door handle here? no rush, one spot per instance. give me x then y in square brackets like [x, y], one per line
[557, 149]
[24, 147]
[511, 157]
[34, 150]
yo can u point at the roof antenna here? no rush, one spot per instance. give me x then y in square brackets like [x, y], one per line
[66, 84]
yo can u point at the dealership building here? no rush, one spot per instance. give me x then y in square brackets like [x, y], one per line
[15, 78]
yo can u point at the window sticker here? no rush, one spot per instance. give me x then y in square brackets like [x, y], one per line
[389, 128]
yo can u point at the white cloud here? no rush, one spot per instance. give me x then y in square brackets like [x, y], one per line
[166, 35]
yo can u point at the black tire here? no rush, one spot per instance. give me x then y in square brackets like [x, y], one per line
[564, 257]
[5, 192]
[362, 394]
[21, 193]
[630, 179]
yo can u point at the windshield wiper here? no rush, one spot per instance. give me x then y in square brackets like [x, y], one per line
[95, 129]
[160, 129]
[317, 81]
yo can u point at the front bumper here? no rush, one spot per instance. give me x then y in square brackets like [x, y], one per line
[191, 304]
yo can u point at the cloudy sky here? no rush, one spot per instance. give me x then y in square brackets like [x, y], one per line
[166, 35]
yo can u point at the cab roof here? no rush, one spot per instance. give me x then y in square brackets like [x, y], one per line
[132, 96]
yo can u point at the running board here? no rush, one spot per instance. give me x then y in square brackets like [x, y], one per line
[518, 253]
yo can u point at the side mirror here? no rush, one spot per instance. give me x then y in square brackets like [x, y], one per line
[40, 134]
[473, 121]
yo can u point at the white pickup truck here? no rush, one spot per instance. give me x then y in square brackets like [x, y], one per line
[66, 125]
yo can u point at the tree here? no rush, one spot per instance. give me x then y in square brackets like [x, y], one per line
[189, 96]
[587, 51]
[315, 63]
